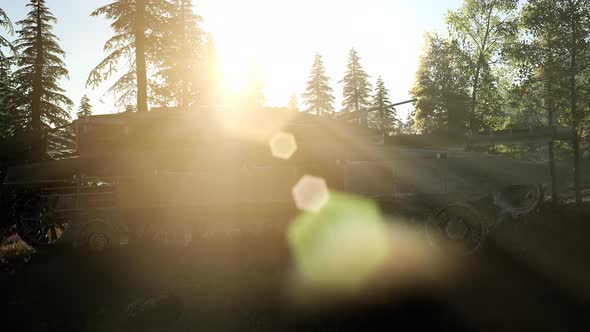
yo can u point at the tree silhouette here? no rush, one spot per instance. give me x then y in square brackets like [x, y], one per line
[318, 93]
[6, 24]
[293, 104]
[7, 88]
[85, 109]
[40, 67]
[385, 116]
[8, 95]
[181, 53]
[441, 86]
[138, 26]
[357, 89]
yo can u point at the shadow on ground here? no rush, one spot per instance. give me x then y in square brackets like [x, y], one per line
[530, 275]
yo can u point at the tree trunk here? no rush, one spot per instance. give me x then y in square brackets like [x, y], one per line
[474, 95]
[574, 110]
[140, 65]
[554, 193]
[381, 116]
[37, 91]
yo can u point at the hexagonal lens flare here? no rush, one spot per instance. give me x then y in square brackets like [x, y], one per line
[283, 145]
[310, 193]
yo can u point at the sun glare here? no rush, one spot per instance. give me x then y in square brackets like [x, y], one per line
[235, 75]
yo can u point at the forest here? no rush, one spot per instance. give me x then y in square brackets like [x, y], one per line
[500, 64]
[343, 226]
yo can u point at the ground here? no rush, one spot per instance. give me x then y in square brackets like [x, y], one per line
[530, 274]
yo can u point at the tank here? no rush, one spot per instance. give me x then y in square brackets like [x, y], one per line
[113, 179]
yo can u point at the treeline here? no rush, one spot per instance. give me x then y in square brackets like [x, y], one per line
[158, 55]
[359, 96]
[500, 64]
[505, 64]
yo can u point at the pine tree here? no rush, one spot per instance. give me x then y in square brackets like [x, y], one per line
[8, 97]
[293, 104]
[357, 89]
[409, 126]
[138, 26]
[318, 93]
[181, 55]
[7, 89]
[40, 67]
[6, 24]
[385, 116]
[85, 108]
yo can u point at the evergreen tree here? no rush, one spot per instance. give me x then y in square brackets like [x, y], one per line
[384, 115]
[6, 24]
[318, 93]
[139, 26]
[409, 126]
[293, 104]
[181, 53]
[85, 108]
[357, 89]
[7, 89]
[8, 97]
[41, 101]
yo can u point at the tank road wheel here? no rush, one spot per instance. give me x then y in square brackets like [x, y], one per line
[459, 226]
[98, 235]
[519, 200]
[38, 223]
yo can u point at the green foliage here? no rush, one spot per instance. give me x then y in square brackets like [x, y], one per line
[408, 127]
[384, 117]
[357, 89]
[482, 28]
[557, 54]
[85, 108]
[318, 93]
[441, 86]
[41, 101]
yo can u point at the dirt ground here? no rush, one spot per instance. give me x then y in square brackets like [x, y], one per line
[531, 274]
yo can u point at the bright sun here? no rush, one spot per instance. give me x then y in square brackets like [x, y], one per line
[250, 45]
[235, 75]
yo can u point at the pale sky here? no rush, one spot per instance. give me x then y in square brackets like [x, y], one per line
[280, 36]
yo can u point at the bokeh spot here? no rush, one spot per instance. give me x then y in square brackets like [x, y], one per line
[310, 193]
[341, 246]
[283, 145]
